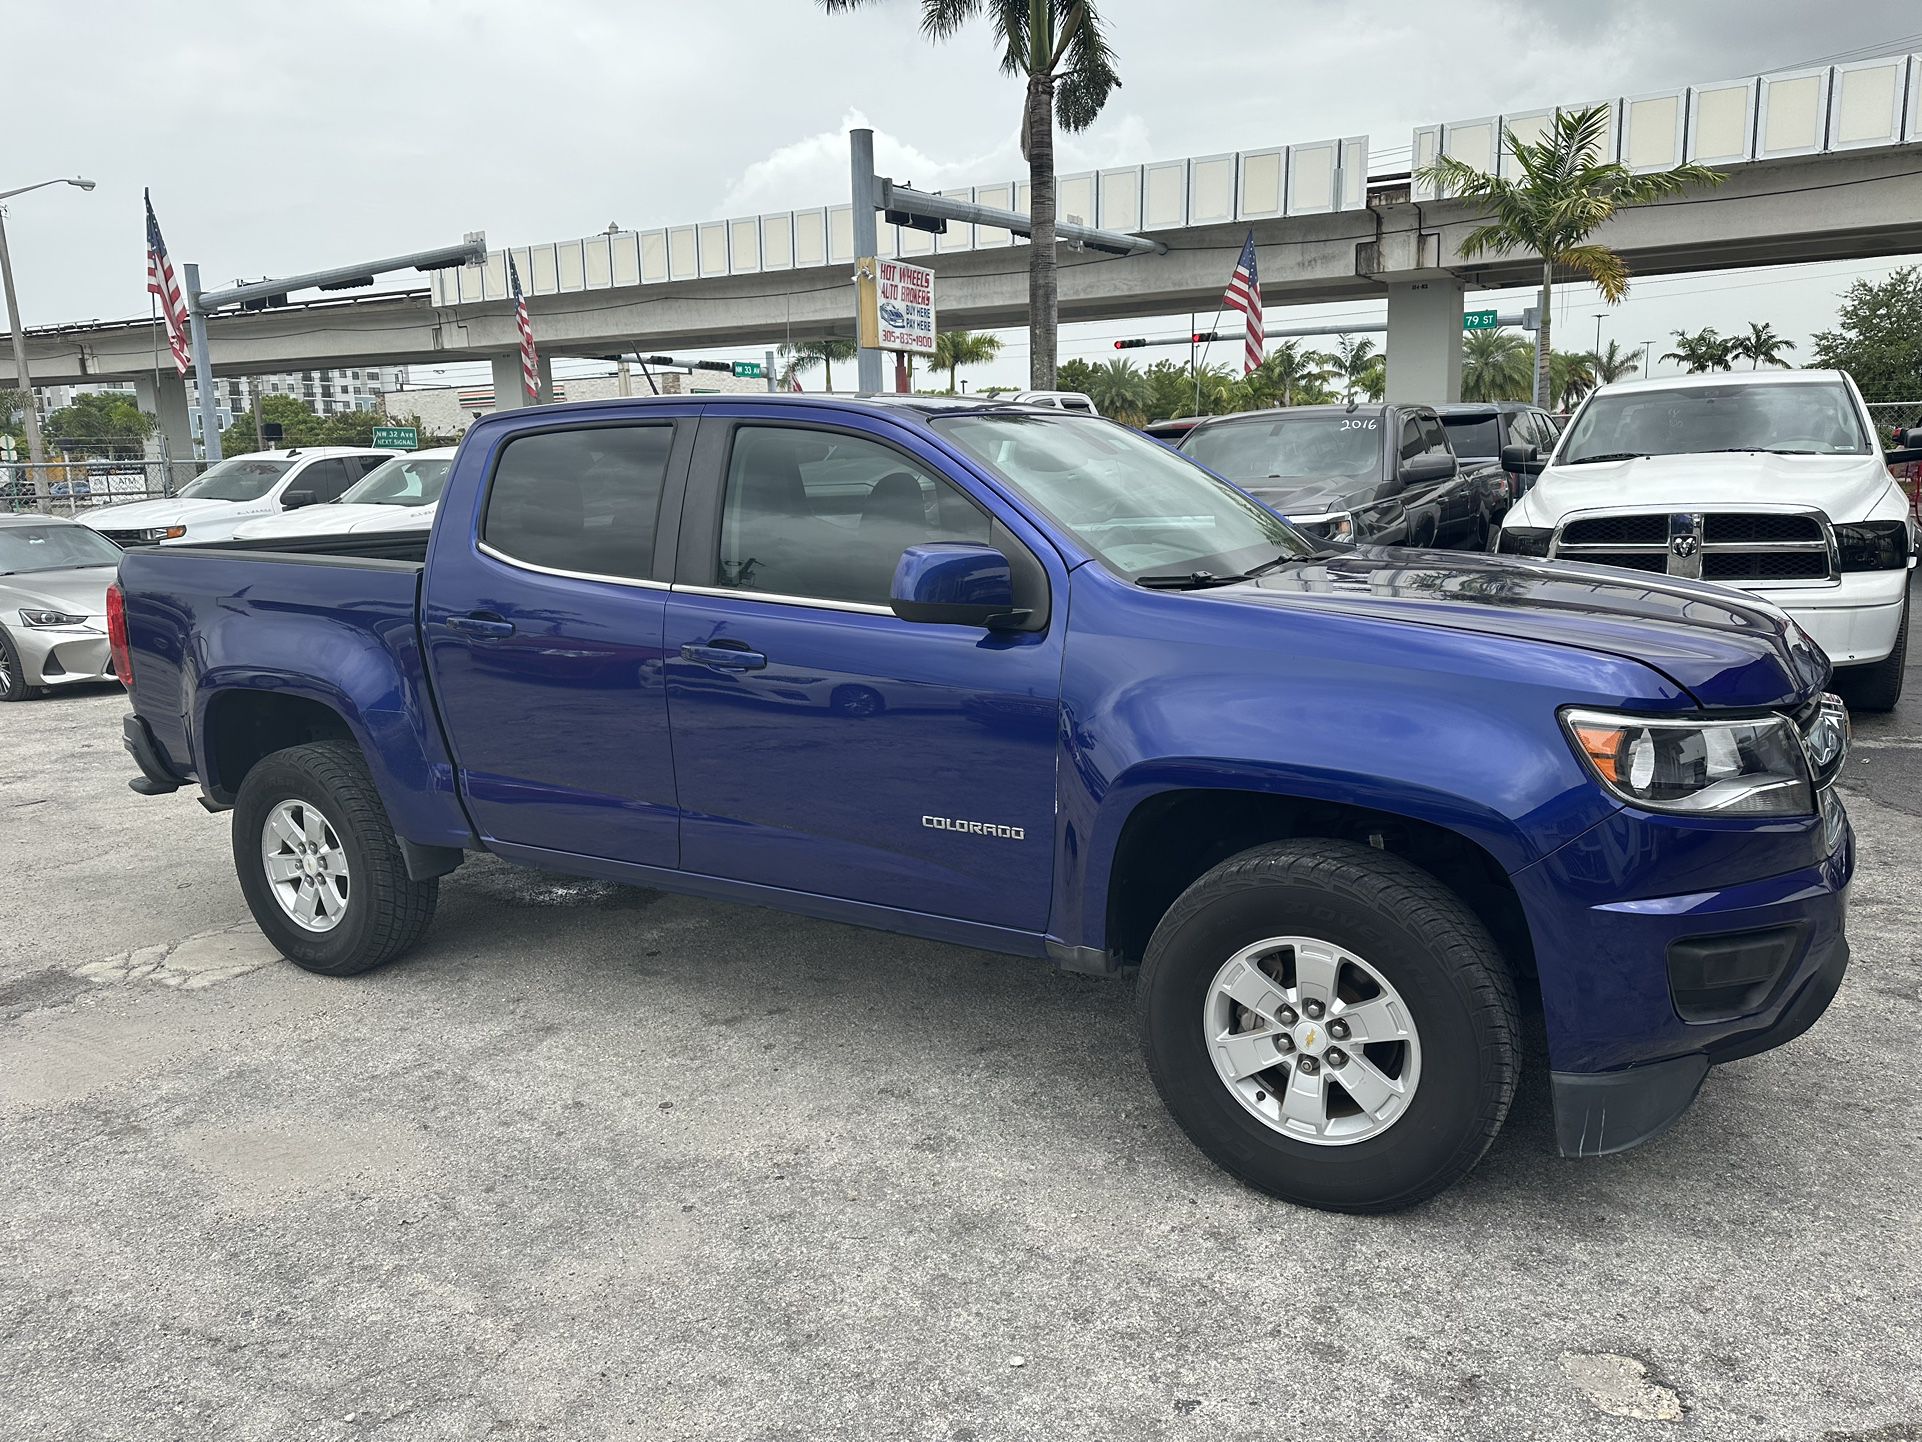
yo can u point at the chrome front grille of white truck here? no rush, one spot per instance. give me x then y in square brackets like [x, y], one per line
[1733, 547]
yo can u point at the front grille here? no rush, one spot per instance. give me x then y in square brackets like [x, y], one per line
[1733, 527]
[1616, 531]
[1733, 547]
[127, 538]
[1765, 565]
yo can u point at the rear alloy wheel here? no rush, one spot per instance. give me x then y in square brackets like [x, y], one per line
[319, 864]
[1330, 1024]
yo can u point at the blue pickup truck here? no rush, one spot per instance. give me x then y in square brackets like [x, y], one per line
[1034, 683]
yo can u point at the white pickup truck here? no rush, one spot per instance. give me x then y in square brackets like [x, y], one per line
[229, 493]
[1773, 482]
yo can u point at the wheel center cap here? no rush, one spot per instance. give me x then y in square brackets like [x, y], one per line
[1311, 1037]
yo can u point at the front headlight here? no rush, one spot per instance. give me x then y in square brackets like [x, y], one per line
[50, 618]
[163, 533]
[1523, 540]
[1327, 526]
[1752, 767]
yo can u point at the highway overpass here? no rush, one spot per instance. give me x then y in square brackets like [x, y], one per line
[762, 280]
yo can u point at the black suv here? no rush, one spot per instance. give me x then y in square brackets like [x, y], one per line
[1376, 473]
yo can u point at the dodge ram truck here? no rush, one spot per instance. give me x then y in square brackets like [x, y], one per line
[1034, 683]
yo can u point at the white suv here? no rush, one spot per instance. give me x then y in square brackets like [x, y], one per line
[229, 493]
[1773, 482]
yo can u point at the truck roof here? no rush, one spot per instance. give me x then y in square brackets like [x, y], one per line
[923, 405]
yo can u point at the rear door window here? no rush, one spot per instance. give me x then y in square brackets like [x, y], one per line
[584, 501]
[326, 479]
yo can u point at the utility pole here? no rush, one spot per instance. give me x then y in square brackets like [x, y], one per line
[767, 369]
[23, 378]
[1648, 350]
[203, 365]
[867, 360]
[1598, 333]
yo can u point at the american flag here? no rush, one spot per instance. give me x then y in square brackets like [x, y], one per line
[1244, 295]
[530, 363]
[161, 281]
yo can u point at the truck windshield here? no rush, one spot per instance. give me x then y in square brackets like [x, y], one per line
[1134, 503]
[56, 546]
[1289, 448]
[403, 481]
[1811, 418]
[244, 478]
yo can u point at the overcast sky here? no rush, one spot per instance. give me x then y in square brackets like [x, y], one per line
[281, 137]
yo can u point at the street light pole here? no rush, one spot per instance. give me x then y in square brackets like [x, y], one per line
[36, 448]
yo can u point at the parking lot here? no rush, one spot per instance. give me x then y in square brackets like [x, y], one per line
[598, 1161]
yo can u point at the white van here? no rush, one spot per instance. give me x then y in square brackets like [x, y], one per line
[1771, 481]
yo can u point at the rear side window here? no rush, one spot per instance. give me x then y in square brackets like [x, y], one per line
[584, 500]
[1473, 435]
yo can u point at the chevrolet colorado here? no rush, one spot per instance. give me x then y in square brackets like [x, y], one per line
[1034, 683]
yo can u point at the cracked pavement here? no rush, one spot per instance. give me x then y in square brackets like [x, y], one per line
[599, 1162]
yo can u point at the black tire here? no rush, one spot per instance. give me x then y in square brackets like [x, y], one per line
[386, 912]
[1878, 685]
[13, 680]
[1414, 931]
[1478, 536]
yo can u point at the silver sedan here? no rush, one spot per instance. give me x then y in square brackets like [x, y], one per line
[54, 576]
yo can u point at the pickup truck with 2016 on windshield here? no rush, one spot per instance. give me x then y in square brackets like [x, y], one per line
[1032, 682]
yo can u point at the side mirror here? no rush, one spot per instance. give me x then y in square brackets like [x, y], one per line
[1428, 468]
[1522, 460]
[294, 500]
[955, 583]
[1908, 447]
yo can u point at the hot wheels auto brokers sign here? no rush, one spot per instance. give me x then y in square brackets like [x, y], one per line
[903, 307]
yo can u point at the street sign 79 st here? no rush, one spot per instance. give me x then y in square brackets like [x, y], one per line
[1478, 320]
[896, 306]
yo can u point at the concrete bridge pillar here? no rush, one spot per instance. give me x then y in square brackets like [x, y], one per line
[1425, 341]
[509, 394]
[165, 396]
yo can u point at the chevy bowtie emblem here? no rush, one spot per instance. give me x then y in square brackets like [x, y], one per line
[1308, 1038]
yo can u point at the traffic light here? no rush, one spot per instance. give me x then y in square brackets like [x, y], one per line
[1202, 337]
[931, 224]
[1130, 344]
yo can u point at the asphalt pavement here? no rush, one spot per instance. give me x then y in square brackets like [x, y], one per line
[600, 1162]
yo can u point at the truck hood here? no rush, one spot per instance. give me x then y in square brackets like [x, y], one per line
[1844, 487]
[166, 511]
[1311, 498]
[1724, 647]
[336, 519]
[79, 591]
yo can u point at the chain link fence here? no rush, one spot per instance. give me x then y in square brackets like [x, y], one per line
[90, 472]
[1891, 418]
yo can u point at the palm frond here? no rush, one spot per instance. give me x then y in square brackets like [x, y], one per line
[1088, 77]
[1601, 265]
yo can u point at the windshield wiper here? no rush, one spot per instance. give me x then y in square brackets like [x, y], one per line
[1607, 456]
[1762, 451]
[1192, 581]
[1320, 553]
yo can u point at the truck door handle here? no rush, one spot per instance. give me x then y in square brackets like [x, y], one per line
[481, 623]
[725, 656]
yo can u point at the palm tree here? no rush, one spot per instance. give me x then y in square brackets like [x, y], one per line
[1702, 350]
[1613, 364]
[1495, 366]
[1358, 366]
[1761, 346]
[1289, 375]
[1063, 52]
[956, 348]
[1571, 376]
[806, 355]
[1120, 390]
[1563, 194]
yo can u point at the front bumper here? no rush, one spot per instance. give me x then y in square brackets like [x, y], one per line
[63, 655]
[1625, 1060]
[1854, 620]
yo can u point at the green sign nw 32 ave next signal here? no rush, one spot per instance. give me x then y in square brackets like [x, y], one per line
[397, 438]
[1478, 320]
